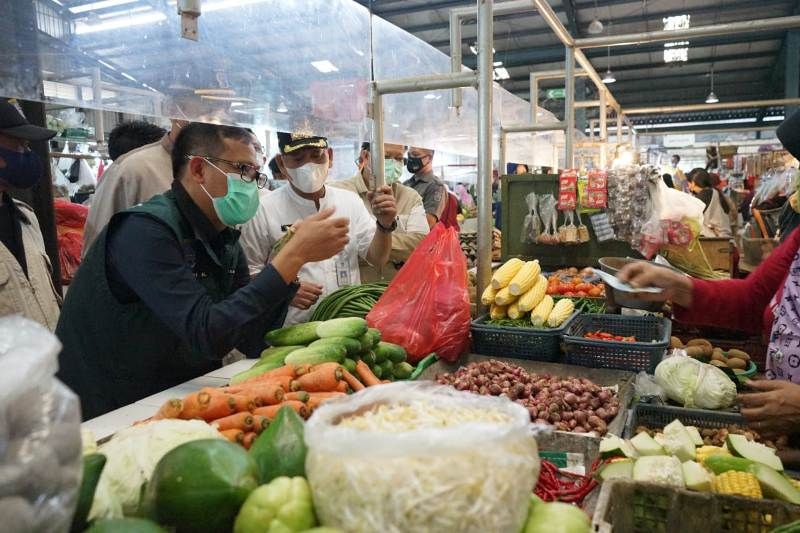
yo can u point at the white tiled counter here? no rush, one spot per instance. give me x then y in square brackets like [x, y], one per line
[106, 425]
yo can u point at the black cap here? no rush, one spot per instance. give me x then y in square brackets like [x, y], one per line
[291, 142]
[14, 124]
[789, 134]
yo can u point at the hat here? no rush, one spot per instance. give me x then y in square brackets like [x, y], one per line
[291, 142]
[789, 134]
[14, 124]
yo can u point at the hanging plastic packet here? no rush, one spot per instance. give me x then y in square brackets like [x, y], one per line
[570, 235]
[531, 226]
[562, 229]
[568, 189]
[603, 230]
[547, 210]
[583, 230]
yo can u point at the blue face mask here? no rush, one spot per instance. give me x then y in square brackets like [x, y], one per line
[22, 169]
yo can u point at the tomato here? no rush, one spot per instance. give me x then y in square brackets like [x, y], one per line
[595, 291]
[563, 288]
[577, 280]
[569, 293]
[551, 290]
[581, 294]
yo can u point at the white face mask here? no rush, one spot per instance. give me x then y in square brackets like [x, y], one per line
[310, 177]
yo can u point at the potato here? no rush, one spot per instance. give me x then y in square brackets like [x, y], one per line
[720, 364]
[735, 362]
[675, 342]
[698, 352]
[718, 355]
[698, 342]
[744, 356]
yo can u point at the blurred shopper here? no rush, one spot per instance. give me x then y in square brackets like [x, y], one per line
[165, 292]
[127, 136]
[26, 284]
[306, 160]
[716, 221]
[426, 183]
[412, 225]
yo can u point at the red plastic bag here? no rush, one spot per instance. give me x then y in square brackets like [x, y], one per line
[426, 306]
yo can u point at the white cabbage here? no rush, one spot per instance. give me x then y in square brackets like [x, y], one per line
[695, 384]
[131, 457]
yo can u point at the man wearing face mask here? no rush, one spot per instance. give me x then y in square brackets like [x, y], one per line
[412, 225]
[306, 159]
[426, 183]
[26, 286]
[164, 293]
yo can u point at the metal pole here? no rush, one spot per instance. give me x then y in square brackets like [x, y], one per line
[569, 107]
[619, 127]
[376, 142]
[603, 117]
[588, 103]
[528, 128]
[427, 83]
[97, 102]
[746, 26]
[485, 59]
[704, 107]
[534, 87]
[455, 57]
[502, 156]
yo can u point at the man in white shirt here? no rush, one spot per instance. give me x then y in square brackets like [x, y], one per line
[305, 160]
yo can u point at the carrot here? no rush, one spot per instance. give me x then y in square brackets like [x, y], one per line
[265, 394]
[300, 396]
[248, 440]
[366, 375]
[271, 411]
[211, 404]
[171, 409]
[234, 435]
[343, 387]
[318, 397]
[243, 421]
[282, 371]
[352, 381]
[300, 370]
[385, 381]
[282, 381]
[260, 423]
[322, 379]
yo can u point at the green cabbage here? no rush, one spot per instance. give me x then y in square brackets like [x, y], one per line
[695, 384]
[132, 455]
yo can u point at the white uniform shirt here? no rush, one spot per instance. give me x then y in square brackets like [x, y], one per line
[282, 208]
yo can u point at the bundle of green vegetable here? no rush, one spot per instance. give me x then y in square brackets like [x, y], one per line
[356, 300]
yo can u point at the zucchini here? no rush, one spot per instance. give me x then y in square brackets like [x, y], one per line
[92, 468]
[392, 352]
[696, 477]
[327, 353]
[613, 446]
[774, 484]
[622, 469]
[695, 434]
[741, 447]
[678, 441]
[402, 370]
[293, 335]
[342, 327]
[276, 354]
[645, 445]
[352, 346]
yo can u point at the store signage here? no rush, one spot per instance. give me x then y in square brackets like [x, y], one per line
[678, 141]
[555, 93]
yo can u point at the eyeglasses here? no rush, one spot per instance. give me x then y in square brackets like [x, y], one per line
[248, 173]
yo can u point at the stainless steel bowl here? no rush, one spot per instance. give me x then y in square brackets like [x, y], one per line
[615, 298]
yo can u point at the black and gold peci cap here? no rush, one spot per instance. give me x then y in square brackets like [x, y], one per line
[789, 134]
[303, 138]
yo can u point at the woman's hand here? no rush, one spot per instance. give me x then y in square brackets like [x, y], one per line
[677, 287]
[774, 409]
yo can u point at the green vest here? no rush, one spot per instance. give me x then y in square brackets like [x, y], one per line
[117, 353]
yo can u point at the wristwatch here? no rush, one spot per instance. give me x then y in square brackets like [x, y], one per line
[384, 228]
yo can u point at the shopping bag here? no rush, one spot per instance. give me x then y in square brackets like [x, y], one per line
[426, 306]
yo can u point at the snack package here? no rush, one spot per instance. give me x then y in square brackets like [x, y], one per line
[568, 189]
[597, 189]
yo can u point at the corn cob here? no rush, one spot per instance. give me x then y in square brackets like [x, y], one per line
[703, 452]
[561, 310]
[531, 299]
[503, 275]
[525, 278]
[741, 483]
[503, 297]
[514, 312]
[488, 295]
[542, 311]
[498, 311]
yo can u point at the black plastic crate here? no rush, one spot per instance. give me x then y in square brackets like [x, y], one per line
[658, 416]
[524, 343]
[652, 334]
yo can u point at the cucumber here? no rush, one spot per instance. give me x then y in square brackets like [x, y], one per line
[695, 434]
[375, 333]
[349, 365]
[377, 370]
[125, 525]
[324, 353]
[369, 358]
[791, 527]
[402, 370]
[678, 442]
[366, 342]
[696, 477]
[380, 356]
[293, 335]
[774, 484]
[342, 327]
[741, 447]
[353, 346]
[93, 464]
[613, 446]
[645, 445]
[276, 354]
[719, 463]
[255, 370]
[387, 368]
[617, 470]
[661, 469]
[392, 352]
